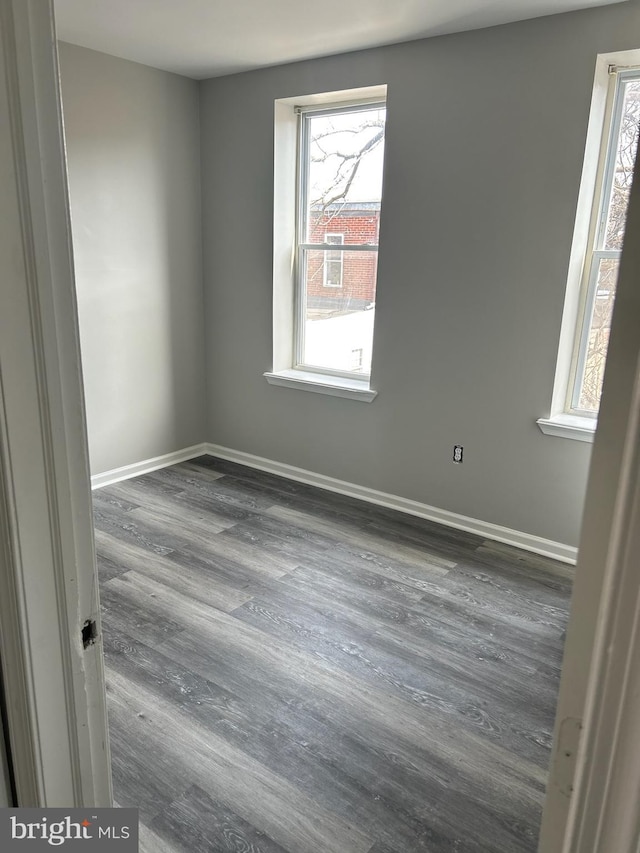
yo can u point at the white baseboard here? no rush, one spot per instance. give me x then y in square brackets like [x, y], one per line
[526, 541]
[147, 465]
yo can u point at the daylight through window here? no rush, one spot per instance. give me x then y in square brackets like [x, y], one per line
[601, 266]
[340, 157]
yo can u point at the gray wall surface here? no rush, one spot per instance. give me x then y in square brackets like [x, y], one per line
[485, 140]
[133, 147]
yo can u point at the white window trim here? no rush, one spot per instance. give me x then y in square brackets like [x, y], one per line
[284, 371]
[323, 383]
[569, 426]
[562, 422]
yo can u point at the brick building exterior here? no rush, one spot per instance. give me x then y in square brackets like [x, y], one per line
[343, 281]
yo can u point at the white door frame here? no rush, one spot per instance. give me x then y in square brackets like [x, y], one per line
[54, 686]
[593, 794]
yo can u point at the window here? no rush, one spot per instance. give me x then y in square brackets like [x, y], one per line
[329, 151]
[333, 262]
[601, 266]
[612, 142]
[340, 154]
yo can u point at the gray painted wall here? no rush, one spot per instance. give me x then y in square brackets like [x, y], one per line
[133, 149]
[485, 140]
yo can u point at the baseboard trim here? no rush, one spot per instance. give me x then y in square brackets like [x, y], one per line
[526, 541]
[116, 475]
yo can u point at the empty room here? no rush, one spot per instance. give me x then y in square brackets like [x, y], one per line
[345, 279]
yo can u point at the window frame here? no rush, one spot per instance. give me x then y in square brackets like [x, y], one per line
[282, 374]
[564, 420]
[596, 250]
[301, 246]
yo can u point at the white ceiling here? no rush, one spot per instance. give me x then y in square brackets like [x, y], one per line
[208, 38]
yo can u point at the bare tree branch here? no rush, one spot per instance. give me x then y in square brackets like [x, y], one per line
[348, 163]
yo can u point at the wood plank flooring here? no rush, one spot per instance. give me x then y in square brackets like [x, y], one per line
[292, 671]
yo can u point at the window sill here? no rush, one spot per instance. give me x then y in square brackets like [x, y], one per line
[322, 383]
[569, 426]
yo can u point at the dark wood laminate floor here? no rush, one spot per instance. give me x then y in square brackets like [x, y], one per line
[292, 671]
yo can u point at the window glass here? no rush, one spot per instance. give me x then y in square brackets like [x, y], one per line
[340, 189]
[601, 267]
[339, 322]
[626, 145]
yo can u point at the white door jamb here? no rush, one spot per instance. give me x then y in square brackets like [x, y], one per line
[54, 686]
[593, 794]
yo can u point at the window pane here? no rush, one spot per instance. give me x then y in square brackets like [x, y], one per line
[338, 320]
[344, 180]
[598, 340]
[626, 146]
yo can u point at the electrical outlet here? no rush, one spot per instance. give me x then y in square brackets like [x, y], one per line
[457, 453]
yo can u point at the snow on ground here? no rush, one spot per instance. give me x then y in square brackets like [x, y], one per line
[340, 343]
